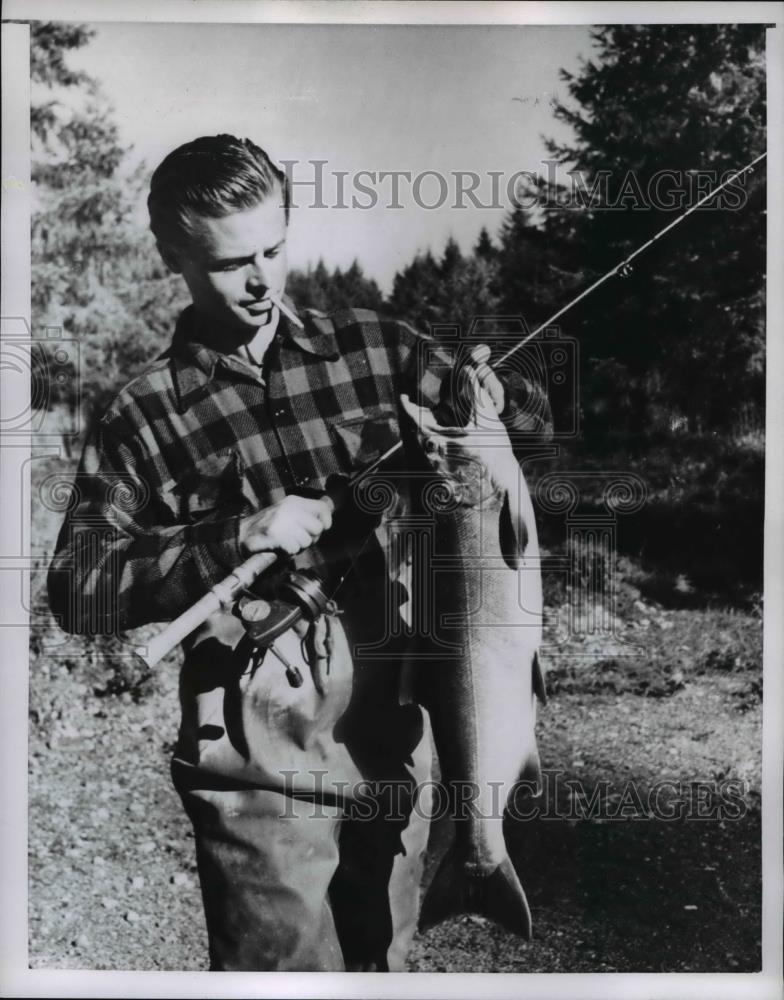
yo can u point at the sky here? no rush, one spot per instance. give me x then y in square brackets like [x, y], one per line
[361, 97]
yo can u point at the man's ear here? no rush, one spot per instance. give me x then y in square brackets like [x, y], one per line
[170, 257]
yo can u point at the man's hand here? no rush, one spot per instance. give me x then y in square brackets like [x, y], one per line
[290, 525]
[478, 369]
[462, 389]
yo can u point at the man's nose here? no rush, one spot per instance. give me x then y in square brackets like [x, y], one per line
[258, 274]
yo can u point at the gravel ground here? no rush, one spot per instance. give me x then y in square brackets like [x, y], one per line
[113, 883]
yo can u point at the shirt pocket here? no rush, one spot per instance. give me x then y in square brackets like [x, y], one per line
[211, 489]
[360, 440]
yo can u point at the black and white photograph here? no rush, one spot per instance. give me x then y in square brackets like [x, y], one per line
[391, 487]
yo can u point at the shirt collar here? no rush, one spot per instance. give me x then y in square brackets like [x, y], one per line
[318, 335]
[195, 363]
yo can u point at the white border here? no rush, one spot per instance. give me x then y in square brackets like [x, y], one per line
[14, 301]
[772, 716]
[392, 11]
[15, 978]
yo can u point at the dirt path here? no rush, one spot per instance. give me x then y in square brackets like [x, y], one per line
[113, 883]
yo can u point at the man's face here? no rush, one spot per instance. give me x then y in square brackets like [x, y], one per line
[230, 266]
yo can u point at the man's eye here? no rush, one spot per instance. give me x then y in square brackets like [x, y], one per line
[230, 265]
[271, 254]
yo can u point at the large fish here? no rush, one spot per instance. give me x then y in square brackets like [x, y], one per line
[482, 590]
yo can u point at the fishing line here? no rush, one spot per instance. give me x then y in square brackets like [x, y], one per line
[226, 590]
[619, 269]
[624, 264]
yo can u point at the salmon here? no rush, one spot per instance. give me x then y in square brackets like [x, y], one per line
[476, 668]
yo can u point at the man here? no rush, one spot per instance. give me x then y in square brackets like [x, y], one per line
[220, 449]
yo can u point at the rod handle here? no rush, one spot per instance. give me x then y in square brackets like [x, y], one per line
[221, 595]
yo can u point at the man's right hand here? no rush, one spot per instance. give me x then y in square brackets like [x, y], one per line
[290, 525]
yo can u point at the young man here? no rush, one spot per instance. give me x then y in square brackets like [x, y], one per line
[220, 449]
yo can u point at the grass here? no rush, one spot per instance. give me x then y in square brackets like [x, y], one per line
[670, 690]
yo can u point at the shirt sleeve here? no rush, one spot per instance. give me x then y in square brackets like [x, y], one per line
[120, 560]
[426, 365]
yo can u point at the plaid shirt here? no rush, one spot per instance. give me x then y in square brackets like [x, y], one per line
[200, 439]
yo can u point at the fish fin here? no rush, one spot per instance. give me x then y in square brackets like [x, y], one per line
[531, 772]
[540, 688]
[497, 896]
[512, 535]
[407, 686]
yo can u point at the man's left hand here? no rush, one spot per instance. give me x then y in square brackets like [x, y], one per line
[479, 369]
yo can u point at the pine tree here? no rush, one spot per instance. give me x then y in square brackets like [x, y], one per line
[451, 292]
[684, 333]
[484, 248]
[415, 292]
[95, 274]
[316, 288]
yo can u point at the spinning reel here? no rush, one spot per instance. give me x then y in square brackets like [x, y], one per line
[298, 595]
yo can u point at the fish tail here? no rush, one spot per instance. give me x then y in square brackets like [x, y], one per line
[496, 895]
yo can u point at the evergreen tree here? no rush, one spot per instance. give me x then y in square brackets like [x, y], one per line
[452, 292]
[466, 288]
[484, 249]
[316, 288]
[353, 289]
[684, 332]
[531, 279]
[95, 274]
[415, 292]
[451, 261]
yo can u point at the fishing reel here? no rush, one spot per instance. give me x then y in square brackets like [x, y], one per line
[298, 594]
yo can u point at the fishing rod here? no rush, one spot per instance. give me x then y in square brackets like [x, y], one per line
[623, 266]
[619, 269]
[226, 591]
[300, 591]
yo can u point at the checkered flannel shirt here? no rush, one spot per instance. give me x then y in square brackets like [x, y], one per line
[201, 439]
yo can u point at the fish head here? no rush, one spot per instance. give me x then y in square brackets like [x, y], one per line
[471, 466]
